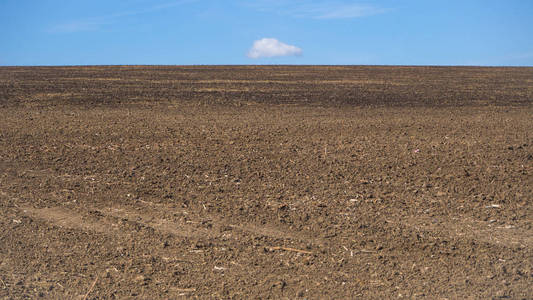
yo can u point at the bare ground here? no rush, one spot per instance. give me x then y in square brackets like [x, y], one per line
[266, 182]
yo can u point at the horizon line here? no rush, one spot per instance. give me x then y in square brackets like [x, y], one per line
[266, 65]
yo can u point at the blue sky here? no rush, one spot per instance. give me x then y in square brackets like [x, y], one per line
[185, 32]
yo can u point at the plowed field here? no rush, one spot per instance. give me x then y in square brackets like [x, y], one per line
[266, 182]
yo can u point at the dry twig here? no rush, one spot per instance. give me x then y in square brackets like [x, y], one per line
[366, 251]
[190, 290]
[91, 288]
[289, 249]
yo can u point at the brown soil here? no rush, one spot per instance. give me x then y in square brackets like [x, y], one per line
[266, 182]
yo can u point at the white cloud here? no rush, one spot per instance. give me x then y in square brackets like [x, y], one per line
[269, 47]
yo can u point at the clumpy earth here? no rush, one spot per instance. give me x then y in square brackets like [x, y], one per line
[276, 182]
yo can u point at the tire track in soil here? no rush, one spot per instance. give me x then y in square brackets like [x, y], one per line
[68, 218]
[161, 225]
[151, 217]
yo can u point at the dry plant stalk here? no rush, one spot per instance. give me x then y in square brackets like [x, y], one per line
[289, 249]
[189, 290]
[91, 288]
